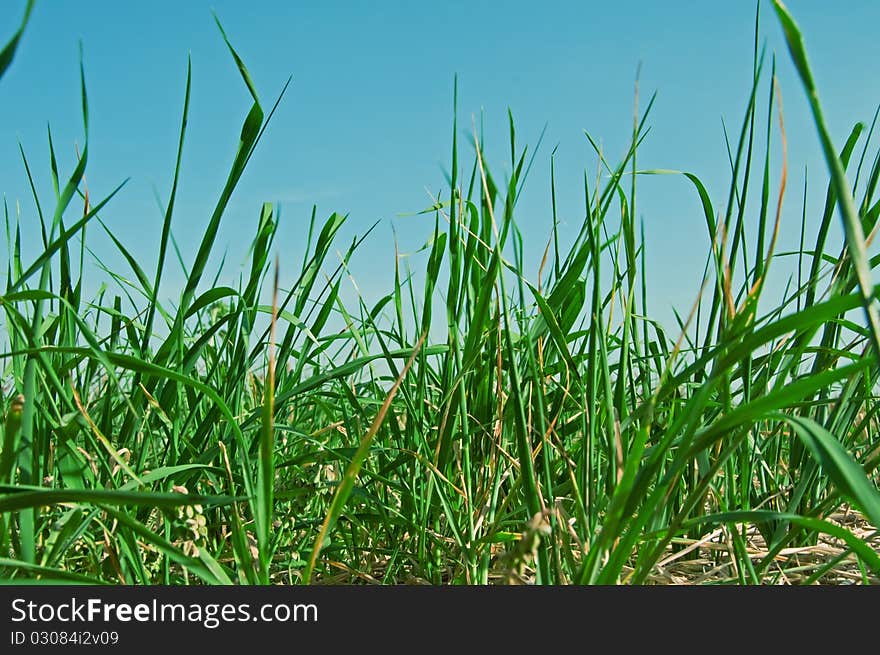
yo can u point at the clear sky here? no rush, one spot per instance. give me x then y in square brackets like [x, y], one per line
[365, 127]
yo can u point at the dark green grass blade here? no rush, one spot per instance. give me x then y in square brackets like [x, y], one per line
[8, 52]
[44, 574]
[20, 497]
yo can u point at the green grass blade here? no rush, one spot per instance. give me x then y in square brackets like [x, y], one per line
[8, 52]
[855, 237]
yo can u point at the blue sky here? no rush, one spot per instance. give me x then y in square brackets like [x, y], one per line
[365, 127]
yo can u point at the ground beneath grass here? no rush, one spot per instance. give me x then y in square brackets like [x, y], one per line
[709, 560]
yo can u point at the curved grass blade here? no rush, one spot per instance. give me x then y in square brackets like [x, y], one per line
[855, 236]
[858, 546]
[8, 52]
[848, 476]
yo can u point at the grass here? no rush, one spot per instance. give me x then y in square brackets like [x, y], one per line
[553, 433]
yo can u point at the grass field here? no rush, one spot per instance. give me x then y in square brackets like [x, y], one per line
[481, 427]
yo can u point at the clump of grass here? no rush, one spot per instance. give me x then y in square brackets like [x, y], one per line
[555, 433]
